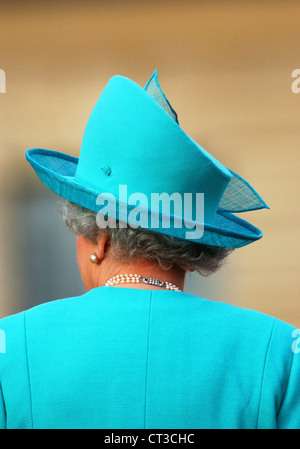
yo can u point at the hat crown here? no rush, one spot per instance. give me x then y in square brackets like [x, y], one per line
[131, 140]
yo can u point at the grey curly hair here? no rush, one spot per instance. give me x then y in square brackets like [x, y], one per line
[130, 243]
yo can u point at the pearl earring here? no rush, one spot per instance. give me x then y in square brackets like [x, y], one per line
[94, 258]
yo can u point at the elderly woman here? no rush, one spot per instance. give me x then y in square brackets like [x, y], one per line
[135, 351]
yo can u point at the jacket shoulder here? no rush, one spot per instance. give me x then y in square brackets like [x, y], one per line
[14, 378]
[238, 318]
[11, 332]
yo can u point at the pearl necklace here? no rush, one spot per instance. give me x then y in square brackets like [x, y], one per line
[137, 279]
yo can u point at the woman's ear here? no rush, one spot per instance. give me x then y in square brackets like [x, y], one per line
[102, 245]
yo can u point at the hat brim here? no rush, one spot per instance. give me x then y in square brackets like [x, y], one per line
[57, 171]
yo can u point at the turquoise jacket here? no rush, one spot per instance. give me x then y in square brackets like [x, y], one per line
[119, 358]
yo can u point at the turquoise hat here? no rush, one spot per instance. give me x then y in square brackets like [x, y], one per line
[134, 152]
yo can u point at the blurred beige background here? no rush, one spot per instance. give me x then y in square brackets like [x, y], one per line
[226, 68]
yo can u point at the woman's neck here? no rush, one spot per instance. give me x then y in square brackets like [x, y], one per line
[143, 267]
